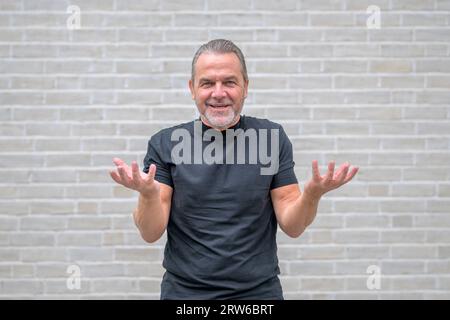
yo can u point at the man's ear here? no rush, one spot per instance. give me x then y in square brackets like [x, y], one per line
[246, 88]
[191, 87]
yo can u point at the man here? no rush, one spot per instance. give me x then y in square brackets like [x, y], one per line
[221, 216]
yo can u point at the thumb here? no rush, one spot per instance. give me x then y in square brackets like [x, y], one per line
[152, 172]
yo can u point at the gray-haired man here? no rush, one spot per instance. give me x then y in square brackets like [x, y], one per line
[221, 215]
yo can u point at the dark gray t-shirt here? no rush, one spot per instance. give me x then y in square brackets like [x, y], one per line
[221, 235]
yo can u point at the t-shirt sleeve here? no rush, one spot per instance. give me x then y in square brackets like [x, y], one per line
[285, 174]
[155, 155]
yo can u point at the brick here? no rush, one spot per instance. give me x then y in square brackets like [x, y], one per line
[103, 144]
[85, 207]
[42, 192]
[13, 208]
[438, 82]
[437, 235]
[32, 239]
[43, 223]
[402, 206]
[403, 236]
[366, 221]
[126, 113]
[344, 236]
[43, 254]
[21, 161]
[322, 284]
[78, 238]
[22, 98]
[310, 267]
[83, 254]
[334, 112]
[308, 51]
[16, 145]
[357, 143]
[34, 51]
[413, 190]
[23, 82]
[96, 128]
[391, 66]
[66, 98]
[353, 66]
[7, 129]
[402, 82]
[22, 286]
[433, 65]
[47, 129]
[414, 252]
[242, 35]
[57, 144]
[412, 283]
[141, 98]
[88, 191]
[114, 239]
[363, 4]
[11, 5]
[366, 251]
[141, 254]
[51, 207]
[404, 128]
[399, 221]
[332, 19]
[67, 160]
[402, 267]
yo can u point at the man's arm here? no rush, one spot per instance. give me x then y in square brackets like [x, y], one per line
[295, 210]
[152, 213]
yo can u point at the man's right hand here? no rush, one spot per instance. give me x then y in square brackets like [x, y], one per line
[132, 178]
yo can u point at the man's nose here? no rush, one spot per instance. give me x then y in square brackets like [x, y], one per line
[219, 91]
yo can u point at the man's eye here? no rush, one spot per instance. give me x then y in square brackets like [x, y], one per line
[229, 83]
[206, 84]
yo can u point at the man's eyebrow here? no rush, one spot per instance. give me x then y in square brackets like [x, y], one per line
[204, 80]
[226, 78]
[231, 78]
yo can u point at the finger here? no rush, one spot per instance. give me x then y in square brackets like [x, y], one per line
[343, 174]
[151, 172]
[339, 170]
[123, 174]
[118, 161]
[115, 176]
[315, 169]
[135, 172]
[351, 175]
[330, 172]
[339, 174]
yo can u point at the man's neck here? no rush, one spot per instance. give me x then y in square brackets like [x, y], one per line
[206, 123]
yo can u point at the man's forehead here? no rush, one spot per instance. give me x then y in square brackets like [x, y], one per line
[218, 61]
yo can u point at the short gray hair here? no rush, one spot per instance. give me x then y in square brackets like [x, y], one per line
[220, 46]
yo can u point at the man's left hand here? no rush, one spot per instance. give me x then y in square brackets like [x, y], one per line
[319, 185]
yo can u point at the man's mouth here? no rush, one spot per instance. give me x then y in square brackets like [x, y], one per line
[218, 106]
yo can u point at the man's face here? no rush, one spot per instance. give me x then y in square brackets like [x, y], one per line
[219, 90]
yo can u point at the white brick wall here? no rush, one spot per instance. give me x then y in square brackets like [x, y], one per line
[72, 99]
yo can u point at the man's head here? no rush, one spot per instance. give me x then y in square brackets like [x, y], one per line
[219, 82]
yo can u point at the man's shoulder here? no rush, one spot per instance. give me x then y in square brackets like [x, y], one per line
[261, 123]
[167, 132]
